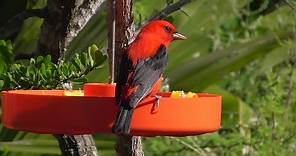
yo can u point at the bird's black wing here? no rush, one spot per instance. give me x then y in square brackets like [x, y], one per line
[138, 79]
[122, 78]
[146, 73]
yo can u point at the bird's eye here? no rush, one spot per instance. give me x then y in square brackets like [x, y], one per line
[167, 29]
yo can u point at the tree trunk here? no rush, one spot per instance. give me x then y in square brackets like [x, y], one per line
[120, 30]
[77, 145]
[129, 146]
[64, 20]
[53, 30]
[120, 14]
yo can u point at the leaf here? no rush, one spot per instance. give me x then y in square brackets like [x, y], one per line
[27, 39]
[235, 112]
[6, 55]
[7, 134]
[230, 109]
[84, 59]
[211, 68]
[49, 146]
[3, 66]
[39, 59]
[6, 51]
[99, 58]
[168, 2]
[31, 146]
[1, 84]
[231, 24]
[276, 56]
[90, 58]
[80, 80]
[78, 62]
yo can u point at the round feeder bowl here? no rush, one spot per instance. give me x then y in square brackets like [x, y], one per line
[51, 112]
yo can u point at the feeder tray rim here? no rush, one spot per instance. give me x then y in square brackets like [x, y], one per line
[60, 92]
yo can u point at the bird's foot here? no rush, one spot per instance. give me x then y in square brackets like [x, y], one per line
[156, 106]
[158, 100]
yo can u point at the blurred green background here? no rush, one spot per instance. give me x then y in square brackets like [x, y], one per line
[243, 50]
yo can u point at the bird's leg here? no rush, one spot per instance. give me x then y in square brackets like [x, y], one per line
[158, 100]
[156, 106]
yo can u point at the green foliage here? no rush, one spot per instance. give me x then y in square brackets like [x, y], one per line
[31, 146]
[273, 120]
[254, 95]
[6, 58]
[231, 51]
[27, 38]
[46, 145]
[6, 55]
[41, 73]
[265, 126]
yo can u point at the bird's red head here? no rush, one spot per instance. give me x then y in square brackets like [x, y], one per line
[164, 31]
[151, 37]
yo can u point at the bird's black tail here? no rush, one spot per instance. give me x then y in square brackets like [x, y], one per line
[123, 121]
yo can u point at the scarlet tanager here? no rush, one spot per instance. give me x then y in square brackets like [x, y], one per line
[141, 69]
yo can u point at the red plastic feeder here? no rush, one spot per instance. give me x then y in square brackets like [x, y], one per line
[51, 112]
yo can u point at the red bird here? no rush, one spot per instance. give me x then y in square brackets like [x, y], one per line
[142, 68]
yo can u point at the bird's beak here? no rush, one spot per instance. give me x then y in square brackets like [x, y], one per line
[178, 36]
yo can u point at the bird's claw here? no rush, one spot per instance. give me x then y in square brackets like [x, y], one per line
[158, 100]
[155, 108]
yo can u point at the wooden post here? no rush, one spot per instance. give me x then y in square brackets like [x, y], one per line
[120, 15]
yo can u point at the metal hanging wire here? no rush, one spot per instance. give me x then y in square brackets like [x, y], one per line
[113, 41]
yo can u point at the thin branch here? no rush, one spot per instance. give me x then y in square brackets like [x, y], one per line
[170, 9]
[290, 4]
[292, 59]
[194, 144]
[259, 8]
[290, 86]
[290, 82]
[273, 132]
[15, 23]
[198, 150]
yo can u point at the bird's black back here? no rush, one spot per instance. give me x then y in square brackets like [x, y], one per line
[143, 75]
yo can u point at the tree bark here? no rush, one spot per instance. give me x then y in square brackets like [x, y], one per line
[120, 13]
[120, 30]
[129, 146]
[64, 20]
[77, 145]
[53, 30]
